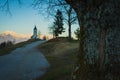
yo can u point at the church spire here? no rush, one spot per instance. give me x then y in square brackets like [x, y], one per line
[35, 27]
[34, 36]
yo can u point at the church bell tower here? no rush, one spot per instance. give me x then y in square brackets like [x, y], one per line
[34, 36]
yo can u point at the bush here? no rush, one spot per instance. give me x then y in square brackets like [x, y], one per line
[5, 44]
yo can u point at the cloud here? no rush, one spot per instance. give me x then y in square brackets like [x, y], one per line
[13, 36]
[17, 35]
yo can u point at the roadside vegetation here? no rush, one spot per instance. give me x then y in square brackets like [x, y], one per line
[61, 55]
[9, 48]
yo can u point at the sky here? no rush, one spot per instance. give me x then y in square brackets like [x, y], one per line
[24, 18]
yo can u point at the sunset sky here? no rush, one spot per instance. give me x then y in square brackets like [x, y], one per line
[24, 18]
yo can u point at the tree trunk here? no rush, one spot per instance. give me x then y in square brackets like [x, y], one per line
[99, 53]
[69, 22]
[69, 30]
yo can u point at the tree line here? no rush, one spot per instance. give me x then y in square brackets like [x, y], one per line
[5, 44]
[58, 28]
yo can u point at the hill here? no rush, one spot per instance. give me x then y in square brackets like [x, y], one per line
[8, 49]
[61, 54]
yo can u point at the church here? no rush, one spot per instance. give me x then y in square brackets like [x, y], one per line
[34, 36]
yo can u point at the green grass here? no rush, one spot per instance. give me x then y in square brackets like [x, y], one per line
[10, 48]
[61, 60]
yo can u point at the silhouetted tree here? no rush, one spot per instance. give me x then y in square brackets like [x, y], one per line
[8, 43]
[68, 13]
[58, 23]
[39, 34]
[5, 44]
[70, 18]
[44, 37]
[52, 30]
[77, 33]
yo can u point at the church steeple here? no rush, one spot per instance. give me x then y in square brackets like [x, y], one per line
[35, 27]
[34, 36]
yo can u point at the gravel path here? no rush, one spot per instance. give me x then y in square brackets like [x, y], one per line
[25, 63]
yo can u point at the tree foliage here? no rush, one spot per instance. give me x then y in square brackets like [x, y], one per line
[77, 33]
[69, 14]
[58, 23]
[5, 44]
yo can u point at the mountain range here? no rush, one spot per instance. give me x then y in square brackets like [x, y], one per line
[13, 36]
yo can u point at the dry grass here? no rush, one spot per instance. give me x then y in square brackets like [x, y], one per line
[62, 56]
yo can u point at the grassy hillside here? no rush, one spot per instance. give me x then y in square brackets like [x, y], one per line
[8, 49]
[61, 54]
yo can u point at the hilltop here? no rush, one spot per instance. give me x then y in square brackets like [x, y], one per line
[61, 54]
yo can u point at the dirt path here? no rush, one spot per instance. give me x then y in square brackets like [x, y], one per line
[25, 63]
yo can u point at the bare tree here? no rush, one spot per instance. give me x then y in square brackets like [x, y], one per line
[39, 34]
[5, 5]
[52, 30]
[70, 17]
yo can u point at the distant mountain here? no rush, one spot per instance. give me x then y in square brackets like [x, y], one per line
[13, 36]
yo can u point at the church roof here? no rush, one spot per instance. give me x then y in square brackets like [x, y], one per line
[35, 27]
